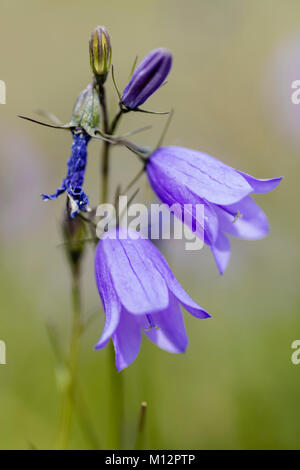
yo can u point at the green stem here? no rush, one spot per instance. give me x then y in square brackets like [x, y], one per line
[140, 439]
[106, 145]
[115, 122]
[71, 368]
[134, 180]
[105, 172]
[116, 403]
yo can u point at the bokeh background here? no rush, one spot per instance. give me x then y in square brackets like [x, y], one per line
[234, 62]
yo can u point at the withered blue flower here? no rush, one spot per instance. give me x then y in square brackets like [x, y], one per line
[73, 182]
[83, 125]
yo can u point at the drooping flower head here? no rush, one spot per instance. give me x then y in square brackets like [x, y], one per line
[147, 78]
[139, 294]
[185, 176]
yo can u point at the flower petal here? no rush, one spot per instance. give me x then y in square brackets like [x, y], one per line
[252, 223]
[139, 286]
[170, 333]
[206, 176]
[162, 266]
[174, 194]
[110, 301]
[221, 252]
[127, 340]
[210, 224]
[261, 185]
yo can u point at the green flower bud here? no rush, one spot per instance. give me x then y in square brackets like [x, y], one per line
[74, 232]
[86, 112]
[100, 53]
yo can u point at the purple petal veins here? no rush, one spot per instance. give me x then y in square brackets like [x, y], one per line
[74, 180]
[185, 176]
[139, 294]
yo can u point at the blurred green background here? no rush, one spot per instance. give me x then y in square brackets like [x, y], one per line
[234, 61]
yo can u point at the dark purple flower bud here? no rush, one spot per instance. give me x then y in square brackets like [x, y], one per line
[185, 176]
[147, 78]
[73, 182]
[140, 294]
